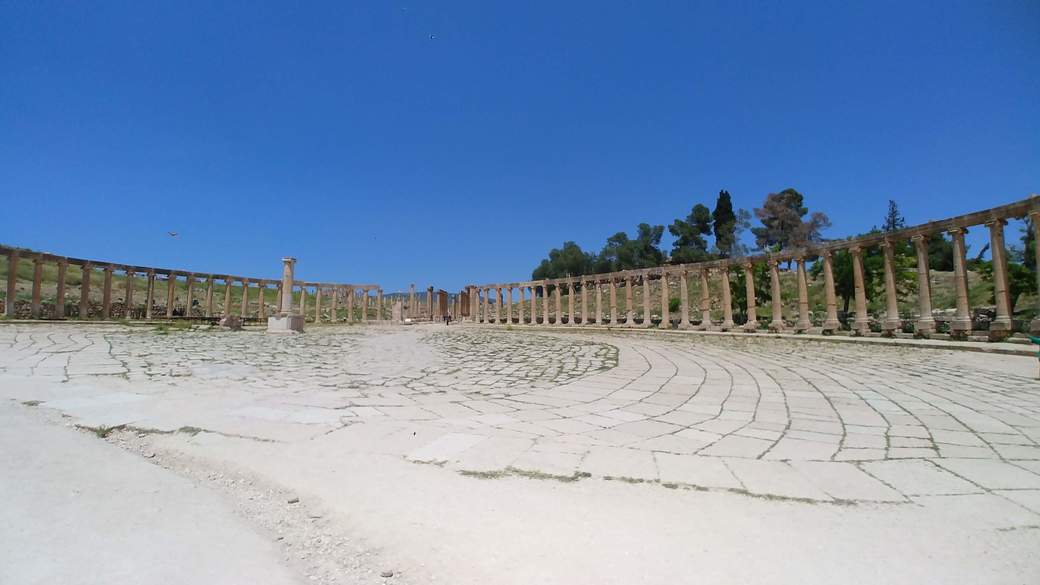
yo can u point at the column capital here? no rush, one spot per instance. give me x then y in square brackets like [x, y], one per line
[996, 221]
[748, 265]
[919, 237]
[855, 249]
[825, 252]
[963, 229]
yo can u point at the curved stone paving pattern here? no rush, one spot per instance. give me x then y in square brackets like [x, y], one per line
[779, 418]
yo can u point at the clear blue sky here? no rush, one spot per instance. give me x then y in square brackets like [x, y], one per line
[456, 142]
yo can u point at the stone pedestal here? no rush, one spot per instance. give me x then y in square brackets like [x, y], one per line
[285, 324]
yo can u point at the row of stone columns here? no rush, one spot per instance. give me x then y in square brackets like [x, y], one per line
[483, 297]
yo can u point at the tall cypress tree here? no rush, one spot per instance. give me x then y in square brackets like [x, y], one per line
[725, 224]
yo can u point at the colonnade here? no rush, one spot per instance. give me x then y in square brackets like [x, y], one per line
[493, 303]
[167, 294]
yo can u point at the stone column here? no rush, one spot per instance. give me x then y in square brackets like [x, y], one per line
[59, 301]
[509, 305]
[598, 291]
[862, 323]
[1034, 216]
[261, 291]
[244, 308]
[727, 300]
[961, 324]
[684, 299]
[303, 299]
[209, 296]
[613, 302]
[349, 294]
[226, 311]
[647, 319]
[1001, 326]
[584, 303]
[429, 302]
[519, 305]
[666, 314]
[129, 295]
[705, 302]
[334, 305]
[106, 294]
[190, 284]
[630, 309]
[84, 291]
[534, 306]
[559, 304]
[317, 304]
[379, 305]
[804, 324]
[499, 299]
[752, 303]
[545, 303]
[12, 284]
[570, 303]
[364, 305]
[411, 301]
[149, 293]
[830, 323]
[776, 325]
[925, 322]
[892, 323]
[37, 288]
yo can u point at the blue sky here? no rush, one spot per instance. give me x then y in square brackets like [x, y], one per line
[449, 143]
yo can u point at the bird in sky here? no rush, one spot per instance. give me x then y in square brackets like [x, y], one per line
[172, 234]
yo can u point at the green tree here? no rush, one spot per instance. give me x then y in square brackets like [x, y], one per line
[690, 244]
[624, 253]
[763, 287]
[893, 219]
[940, 253]
[724, 220]
[570, 260]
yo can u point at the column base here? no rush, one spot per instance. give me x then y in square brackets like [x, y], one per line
[684, 326]
[831, 325]
[283, 324]
[802, 327]
[750, 327]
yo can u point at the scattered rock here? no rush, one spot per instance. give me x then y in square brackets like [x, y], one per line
[232, 322]
[386, 574]
[294, 501]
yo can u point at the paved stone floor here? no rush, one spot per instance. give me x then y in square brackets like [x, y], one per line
[797, 421]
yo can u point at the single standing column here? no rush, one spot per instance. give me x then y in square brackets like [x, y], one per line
[129, 296]
[559, 304]
[570, 303]
[776, 325]
[149, 294]
[106, 294]
[243, 311]
[613, 302]
[379, 304]
[684, 299]
[597, 319]
[303, 300]
[803, 324]
[317, 304]
[226, 311]
[545, 302]
[630, 309]
[862, 323]
[190, 296]
[1000, 327]
[892, 322]
[429, 302]
[584, 303]
[37, 289]
[209, 296]
[411, 301]
[925, 322]
[727, 300]
[705, 301]
[647, 317]
[12, 283]
[752, 303]
[666, 314]
[59, 301]
[830, 323]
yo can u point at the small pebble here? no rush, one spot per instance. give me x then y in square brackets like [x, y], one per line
[386, 574]
[294, 500]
